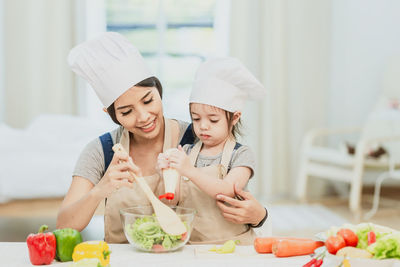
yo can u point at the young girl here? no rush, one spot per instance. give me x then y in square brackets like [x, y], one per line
[216, 162]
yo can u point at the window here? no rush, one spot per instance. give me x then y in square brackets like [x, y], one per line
[174, 36]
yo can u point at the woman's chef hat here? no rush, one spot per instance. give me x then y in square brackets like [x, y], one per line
[110, 63]
[225, 83]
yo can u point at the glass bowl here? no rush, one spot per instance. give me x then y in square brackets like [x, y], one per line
[143, 231]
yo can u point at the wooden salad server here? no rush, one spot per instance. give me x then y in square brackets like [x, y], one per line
[168, 219]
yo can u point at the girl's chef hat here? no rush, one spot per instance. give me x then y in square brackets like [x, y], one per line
[110, 63]
[225, 83]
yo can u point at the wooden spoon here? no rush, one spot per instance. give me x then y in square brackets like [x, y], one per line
[168, 219]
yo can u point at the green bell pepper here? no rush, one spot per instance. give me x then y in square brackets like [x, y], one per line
[67, 239]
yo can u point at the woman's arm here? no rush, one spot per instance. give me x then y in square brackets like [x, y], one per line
[79, 204]
[83, 197]
[245, 211]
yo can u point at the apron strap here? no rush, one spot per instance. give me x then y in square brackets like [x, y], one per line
[194, 153]
[107, 144]
[225, 158]
[227, 155]
[167, 134]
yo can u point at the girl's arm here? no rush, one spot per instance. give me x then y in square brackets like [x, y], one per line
[83, 197]
[213, 186]
[209, 184]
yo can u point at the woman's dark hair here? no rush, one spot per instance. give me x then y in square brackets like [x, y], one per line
[149, 82]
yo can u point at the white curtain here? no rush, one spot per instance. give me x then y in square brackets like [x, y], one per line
[37, 36]
[286, 45]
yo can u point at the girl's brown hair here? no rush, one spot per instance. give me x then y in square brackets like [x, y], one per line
[236, 129]
[149, 82]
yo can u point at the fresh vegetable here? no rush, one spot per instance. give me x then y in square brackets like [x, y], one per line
[353, 252]
[93, 262]
[316, 261]
[350, 238]
[228, 247]
[264, 244]
[381, 241]
[67, 239]
[371, 237]
[345, 263]
[310, 263]
[146, 233]
[92, 249]
[386, 247]
[290, 247]
[158, 248]
[41, 246]
[365, 228]
[334, 243]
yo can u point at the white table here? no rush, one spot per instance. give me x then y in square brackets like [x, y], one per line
[123, 255]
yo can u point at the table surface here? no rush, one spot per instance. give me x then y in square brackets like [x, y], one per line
[16, 254]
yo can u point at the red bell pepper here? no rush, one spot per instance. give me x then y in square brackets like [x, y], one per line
[42, 247]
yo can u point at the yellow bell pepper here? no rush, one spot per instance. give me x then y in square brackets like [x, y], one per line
[92, 249]
[346, 263]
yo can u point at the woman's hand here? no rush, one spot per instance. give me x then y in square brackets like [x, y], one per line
[117, 174]
[180, 161]
[246, 211]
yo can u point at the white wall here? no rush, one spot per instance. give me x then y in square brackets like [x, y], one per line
[365, 35]
[37, 38]
[308, 55]
[1, 64]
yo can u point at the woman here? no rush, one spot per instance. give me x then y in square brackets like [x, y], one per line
[122, 81]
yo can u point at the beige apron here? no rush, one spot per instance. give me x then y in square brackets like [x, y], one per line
[209, 226]
[128, 197]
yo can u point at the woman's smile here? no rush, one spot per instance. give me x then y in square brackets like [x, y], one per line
[149, 127]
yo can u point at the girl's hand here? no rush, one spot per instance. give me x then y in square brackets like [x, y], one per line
[117, 174]
[180, 161]
[162, 161]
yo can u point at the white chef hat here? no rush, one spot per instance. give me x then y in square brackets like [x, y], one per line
[111, 65]
[225, 83]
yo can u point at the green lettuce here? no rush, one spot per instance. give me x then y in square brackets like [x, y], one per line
[363, 229]
[386, 247]
[146, 232]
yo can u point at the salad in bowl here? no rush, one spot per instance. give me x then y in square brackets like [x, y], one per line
[144, 232]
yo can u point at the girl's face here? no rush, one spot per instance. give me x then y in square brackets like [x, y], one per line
[209, 123]
[139, 110]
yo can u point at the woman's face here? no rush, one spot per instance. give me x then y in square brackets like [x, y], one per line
[139, 110]
[209, 123]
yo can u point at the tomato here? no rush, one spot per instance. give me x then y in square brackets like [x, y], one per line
[183, 236]
[158, 248]
[349, 237]
[371, 237]
[334, 243]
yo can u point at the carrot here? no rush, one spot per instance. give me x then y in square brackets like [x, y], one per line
[288, 248]
[264, 244]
